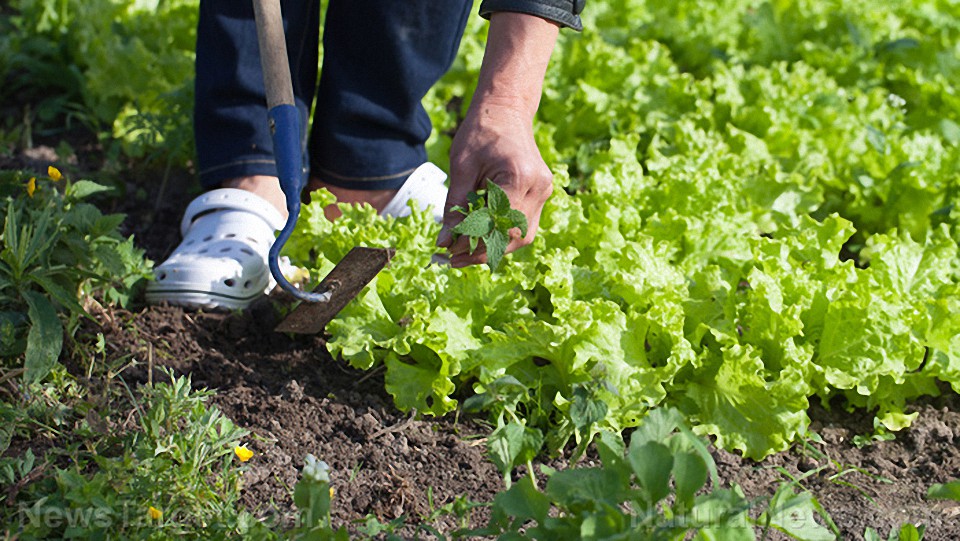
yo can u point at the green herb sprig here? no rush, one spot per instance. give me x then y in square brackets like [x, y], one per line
[489, 218]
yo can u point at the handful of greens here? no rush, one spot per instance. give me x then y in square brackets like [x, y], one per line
[490, 218]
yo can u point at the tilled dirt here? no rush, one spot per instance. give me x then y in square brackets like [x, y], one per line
[296, 400]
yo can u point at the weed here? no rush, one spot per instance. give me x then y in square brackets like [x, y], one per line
[176, 475]
[843, 471]
[906, 532]
[56, 249]
[880, 433]
[489, 217]
[653, 489]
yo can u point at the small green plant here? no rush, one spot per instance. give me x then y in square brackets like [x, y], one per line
[512, 442]
[880, 433]
[520, 412]
[843, 471]
[490, 218]
[176, 475]
[312, 496]
[945, 491]
[57, 249]
[653, 488]
[906, 532]
[14, 471]
[371, 527]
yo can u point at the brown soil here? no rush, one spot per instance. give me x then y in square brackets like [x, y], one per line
[296, 400]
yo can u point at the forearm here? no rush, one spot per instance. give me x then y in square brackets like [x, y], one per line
[515, 61]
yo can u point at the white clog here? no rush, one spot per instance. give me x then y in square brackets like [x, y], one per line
[222, 260]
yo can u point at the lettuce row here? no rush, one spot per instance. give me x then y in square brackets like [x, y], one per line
[755, 205]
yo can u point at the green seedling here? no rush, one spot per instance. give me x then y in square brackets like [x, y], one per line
[842, 470]
[661, 484]
[879, 434]
[906, 532]
[489, 218]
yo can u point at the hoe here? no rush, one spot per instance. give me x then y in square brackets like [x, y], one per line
[360, 265]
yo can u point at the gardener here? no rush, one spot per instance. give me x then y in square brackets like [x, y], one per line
[366, 144]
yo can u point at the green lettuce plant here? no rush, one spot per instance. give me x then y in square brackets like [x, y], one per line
[754, 208]
[123, 68]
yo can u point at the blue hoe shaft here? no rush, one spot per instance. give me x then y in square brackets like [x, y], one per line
[285, 130]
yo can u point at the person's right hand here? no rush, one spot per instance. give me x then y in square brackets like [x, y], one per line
[495, 142]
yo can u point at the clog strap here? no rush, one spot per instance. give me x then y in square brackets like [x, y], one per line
[231, 199]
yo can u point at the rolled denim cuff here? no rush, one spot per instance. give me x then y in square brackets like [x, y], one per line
[385, 182]
[563, 12]
[245, 166]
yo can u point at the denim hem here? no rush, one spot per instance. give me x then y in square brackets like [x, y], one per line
[546, 10]
[384, 182]
[212, 177]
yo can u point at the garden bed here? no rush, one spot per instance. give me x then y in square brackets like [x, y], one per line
[296, 399]
[755, 210]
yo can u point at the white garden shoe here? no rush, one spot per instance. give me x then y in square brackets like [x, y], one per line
[425, 186]
[222, 260]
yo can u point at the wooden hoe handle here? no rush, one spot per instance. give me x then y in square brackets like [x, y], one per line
[273, 53]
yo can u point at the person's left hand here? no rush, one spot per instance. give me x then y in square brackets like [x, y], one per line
[495, 144]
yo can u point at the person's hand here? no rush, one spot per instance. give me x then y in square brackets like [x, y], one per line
[495, 144]
[495, 141]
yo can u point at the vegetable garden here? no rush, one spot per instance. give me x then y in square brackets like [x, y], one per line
[740, 318]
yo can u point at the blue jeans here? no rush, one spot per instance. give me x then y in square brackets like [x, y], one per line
[380, 57]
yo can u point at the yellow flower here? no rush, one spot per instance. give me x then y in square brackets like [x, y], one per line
[54, 173]
[155, 513]
[331, 492]
[298, 275]
[32, 186]
[243, 453]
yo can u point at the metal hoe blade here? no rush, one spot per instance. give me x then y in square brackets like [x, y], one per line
[344, 282]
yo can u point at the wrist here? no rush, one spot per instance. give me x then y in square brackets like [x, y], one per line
[502, 107]
[515, 61]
